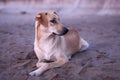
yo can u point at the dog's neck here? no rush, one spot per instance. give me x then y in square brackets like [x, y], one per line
[37, 31]
[39, 34]
[46, 36]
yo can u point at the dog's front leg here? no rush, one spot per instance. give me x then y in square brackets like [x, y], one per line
[39, 56]
[45, 66]
[39, 64]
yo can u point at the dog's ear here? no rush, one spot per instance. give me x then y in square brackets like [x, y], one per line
[38, 17]
[41, 17]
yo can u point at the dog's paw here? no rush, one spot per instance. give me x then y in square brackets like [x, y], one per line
[35, 73]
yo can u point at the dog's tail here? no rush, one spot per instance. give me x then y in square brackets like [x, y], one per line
[84, 45]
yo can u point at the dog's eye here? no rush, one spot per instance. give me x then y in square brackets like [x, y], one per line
[55, 13]
[53, 21]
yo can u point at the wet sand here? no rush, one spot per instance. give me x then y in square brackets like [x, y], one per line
[100, 62]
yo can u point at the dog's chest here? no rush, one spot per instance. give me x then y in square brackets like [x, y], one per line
[50, 48]
[46, 47]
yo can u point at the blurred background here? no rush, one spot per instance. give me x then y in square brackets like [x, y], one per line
[97, 21]
[98, 7]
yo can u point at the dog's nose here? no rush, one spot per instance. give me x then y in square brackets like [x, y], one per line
[64, 31]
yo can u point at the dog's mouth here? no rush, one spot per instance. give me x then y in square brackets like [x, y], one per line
[63, 32]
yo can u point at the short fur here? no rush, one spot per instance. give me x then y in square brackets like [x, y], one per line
[54, 50]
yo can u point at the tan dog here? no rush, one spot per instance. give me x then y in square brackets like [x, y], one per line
[54, 44]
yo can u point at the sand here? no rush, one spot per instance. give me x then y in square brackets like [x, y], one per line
[100, 62]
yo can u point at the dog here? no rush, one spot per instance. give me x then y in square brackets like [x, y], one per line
[54, 43]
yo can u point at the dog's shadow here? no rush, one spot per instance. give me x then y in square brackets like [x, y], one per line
[31, 55]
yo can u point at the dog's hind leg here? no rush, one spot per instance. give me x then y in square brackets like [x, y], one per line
[84, 45]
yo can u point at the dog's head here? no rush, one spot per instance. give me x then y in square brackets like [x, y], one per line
[50, 23]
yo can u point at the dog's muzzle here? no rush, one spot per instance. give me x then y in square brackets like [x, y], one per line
[64, 31]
